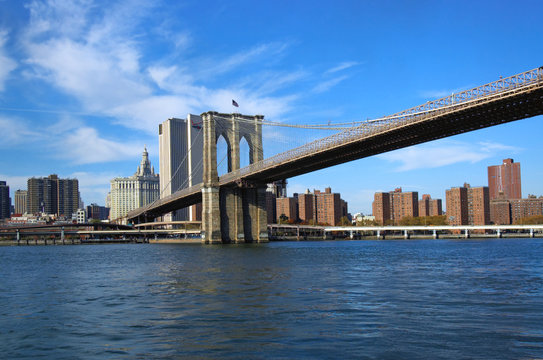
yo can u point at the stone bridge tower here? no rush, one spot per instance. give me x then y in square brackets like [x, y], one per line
[236, 213]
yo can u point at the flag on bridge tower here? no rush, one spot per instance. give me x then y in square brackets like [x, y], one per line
[234, 103]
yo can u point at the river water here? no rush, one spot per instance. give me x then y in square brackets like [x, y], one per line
[415, 299]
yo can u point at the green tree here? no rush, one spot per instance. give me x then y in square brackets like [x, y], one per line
[530, 220]
[344, 221]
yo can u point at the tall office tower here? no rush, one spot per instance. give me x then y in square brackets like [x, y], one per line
[20, 201]
[457, 205]
[52, 195]
[180, 155]
[135, 191]
[505, 178]
[5, 201]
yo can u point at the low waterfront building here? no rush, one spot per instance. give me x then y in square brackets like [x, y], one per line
[97, 212]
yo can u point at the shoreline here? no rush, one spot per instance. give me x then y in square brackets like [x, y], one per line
[49, 242]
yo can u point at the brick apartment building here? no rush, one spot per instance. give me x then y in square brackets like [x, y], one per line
[429, 206]
[321, 207]
[468, 205]
[505, 178]
[391, 207]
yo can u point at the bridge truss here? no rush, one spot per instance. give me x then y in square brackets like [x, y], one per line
[507, 99]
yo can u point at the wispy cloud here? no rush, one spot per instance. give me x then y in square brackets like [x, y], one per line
[101, 66]
[15, 182]
[16, 131]
[328, 84]
[342, 66]
[444, 153]
[7, 65]
[94, 185]
[263, 52]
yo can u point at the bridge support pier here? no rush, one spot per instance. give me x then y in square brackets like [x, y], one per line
[498, 233]
[466, 234]
[235, 213]
[211, 216]
[435, 235]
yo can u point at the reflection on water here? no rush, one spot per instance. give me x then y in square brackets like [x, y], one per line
[359, 299]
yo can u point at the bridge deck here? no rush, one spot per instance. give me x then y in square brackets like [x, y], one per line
[509, 99]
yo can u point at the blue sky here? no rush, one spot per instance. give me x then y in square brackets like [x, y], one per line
[84, 84]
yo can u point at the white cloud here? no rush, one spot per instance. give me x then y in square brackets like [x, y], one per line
[16, 131]
[7, 65]
[443, 153]
[15, 182]
[99, 79]
[93, 186]
[328, 84]
[85, 146]
[342, 66]
[265, 52]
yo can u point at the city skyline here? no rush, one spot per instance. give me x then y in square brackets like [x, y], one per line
[82, 90]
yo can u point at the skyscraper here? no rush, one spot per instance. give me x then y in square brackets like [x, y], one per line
[135, 191]
[180, 156]
[20, 201]
[5, 201]
[505, 178]
[52, 195]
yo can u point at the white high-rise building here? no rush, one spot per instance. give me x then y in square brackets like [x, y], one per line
[180, 152]
[135, 191]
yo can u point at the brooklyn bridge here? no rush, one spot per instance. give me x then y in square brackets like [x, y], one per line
[233, 205]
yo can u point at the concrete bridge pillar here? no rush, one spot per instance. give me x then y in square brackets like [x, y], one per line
[498, 233]
[466, 233]
[435, 235]
[406, 235]
[532, 233]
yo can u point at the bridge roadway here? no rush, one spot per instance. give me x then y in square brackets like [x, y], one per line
[508, 99]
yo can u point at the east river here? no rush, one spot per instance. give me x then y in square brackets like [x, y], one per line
[415, 299]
